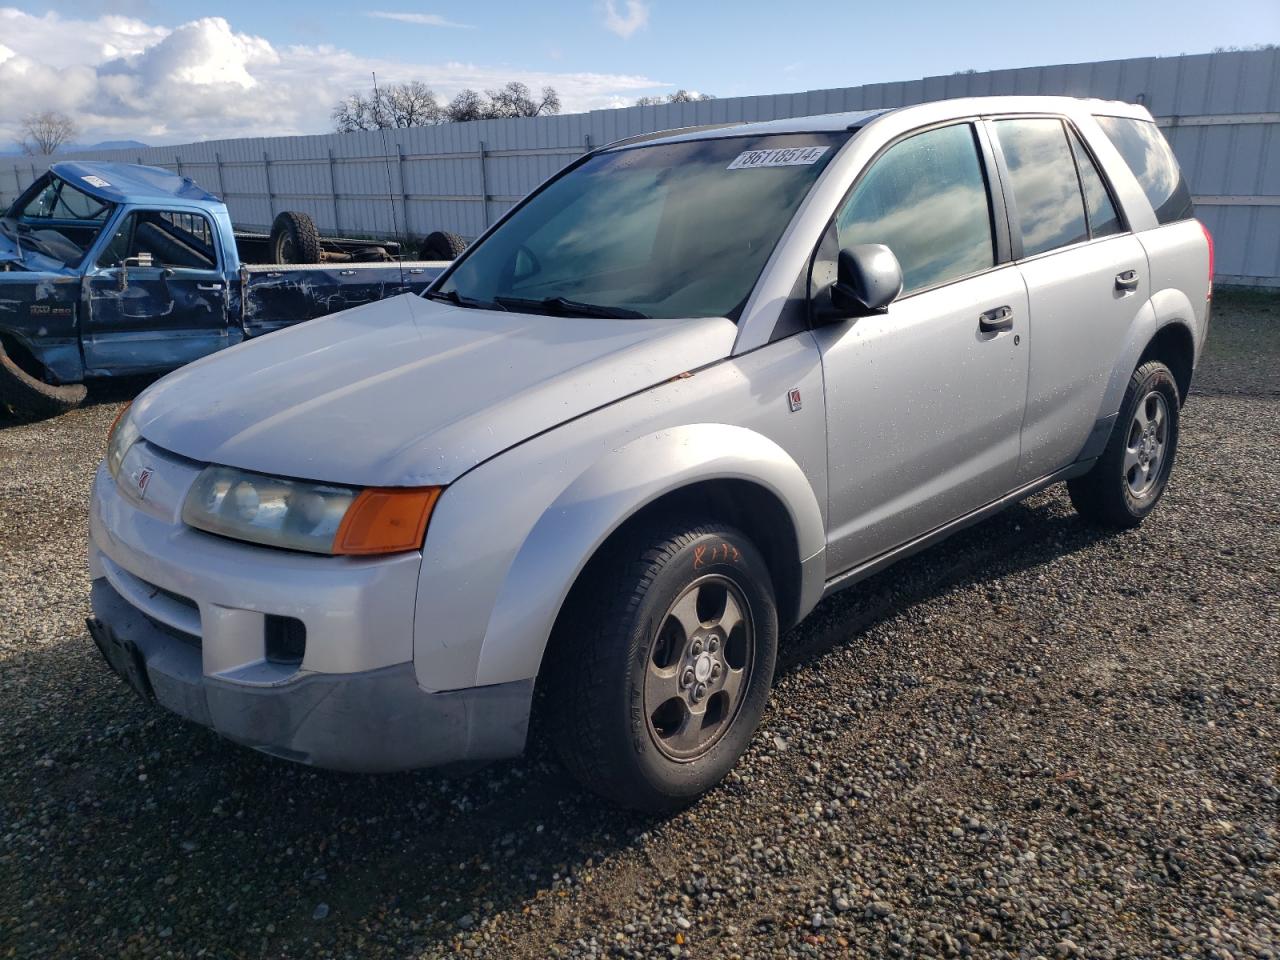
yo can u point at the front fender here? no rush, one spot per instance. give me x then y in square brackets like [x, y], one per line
[604, 496]
[38, 312]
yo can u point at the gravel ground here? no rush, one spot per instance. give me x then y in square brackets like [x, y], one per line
[1037, 739]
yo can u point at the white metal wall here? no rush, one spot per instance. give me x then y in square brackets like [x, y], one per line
[1220, 111]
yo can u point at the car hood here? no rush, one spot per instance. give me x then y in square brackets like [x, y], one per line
[408, 391]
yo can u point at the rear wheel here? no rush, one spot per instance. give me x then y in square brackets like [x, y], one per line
[294, 238]
[24, 391]
[662, 667]
[1130, 477]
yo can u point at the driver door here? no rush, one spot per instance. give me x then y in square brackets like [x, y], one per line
[924, 401]
[156, 298]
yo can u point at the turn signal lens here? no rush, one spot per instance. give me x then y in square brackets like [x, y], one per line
[386, 520]
[111, 431]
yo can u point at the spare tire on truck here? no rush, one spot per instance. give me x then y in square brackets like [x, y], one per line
[294, 238]
[24, 391]
[442, 245]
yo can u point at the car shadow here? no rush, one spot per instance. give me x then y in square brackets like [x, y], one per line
[213, 836]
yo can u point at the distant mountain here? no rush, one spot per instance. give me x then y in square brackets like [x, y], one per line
[12, 151]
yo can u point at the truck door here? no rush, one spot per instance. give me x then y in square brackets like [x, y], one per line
[156, 297]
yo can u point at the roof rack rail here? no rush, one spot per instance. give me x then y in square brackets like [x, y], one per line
[673, 131]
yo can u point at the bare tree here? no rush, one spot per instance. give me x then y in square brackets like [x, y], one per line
[45, 132]
[516, 100]
[357, 112]
[414, 104]
[467, 105]
[680, 96]
[411, 104]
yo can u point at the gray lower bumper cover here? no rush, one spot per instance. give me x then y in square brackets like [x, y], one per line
[376, 721]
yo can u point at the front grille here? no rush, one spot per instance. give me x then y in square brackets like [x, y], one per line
[173, 632]
[175, 597]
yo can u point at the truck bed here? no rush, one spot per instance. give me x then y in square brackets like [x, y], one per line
[274, 296]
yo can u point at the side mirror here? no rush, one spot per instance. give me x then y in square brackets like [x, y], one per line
[868, 279]
[141, 260]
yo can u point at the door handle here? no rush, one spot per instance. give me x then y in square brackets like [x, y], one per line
[208, 286]
[994, 321]
[1127, 280]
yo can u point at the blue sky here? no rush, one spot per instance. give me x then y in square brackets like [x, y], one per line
[284, 58]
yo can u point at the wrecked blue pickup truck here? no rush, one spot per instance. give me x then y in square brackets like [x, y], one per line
[113, 269]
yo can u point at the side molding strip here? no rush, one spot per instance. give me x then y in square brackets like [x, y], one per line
[876, 564]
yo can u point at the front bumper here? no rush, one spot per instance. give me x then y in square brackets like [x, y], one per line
[181, 615]
[374, 721]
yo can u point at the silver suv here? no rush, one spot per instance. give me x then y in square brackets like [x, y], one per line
[690, 386]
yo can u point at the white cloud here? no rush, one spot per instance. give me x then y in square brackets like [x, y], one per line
[624, 25]
[122, 78]
[421, 19]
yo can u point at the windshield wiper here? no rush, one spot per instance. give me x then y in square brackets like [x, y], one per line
[573, 308]
[458, 300]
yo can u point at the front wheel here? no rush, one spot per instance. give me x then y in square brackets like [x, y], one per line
[1129, 478]
[661, 671]
[27, 394]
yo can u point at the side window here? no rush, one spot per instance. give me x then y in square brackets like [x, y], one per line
[1150, 158]
[179, 240]
[926, 200]
[1046, 189]
[1103, 219]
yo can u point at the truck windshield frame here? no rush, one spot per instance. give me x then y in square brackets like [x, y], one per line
[58, 220]
[655, 230]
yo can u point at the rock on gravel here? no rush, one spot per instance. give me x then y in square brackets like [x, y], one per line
[1036, 740]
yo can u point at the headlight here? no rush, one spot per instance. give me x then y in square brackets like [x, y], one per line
[122, 436]
[315, 517]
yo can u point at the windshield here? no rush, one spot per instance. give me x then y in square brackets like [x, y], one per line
[662, 230]
[57, 220]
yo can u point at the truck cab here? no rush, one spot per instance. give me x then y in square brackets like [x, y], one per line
[111, 269]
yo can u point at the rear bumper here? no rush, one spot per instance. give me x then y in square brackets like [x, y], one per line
[369, 721]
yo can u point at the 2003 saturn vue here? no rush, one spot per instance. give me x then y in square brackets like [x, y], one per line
[689, 386]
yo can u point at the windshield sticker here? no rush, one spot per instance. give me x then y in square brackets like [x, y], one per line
[99, 182]
[785, 157]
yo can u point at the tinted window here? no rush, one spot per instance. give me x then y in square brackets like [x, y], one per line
[926, 200]
[1046, 189]
[1153, 163]
[1103, 219]
[662, 230]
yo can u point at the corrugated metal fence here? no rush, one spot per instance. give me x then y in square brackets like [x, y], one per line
[1221, 112]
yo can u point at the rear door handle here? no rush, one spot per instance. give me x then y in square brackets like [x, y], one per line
[1127, 280]
[208, 286]
[993, 321]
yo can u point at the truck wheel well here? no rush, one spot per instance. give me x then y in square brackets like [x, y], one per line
[22, 358]
[1172, 345]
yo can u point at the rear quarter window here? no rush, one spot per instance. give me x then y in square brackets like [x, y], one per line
[1149, 156]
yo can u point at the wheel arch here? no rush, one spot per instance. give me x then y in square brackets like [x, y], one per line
[711, 471]
[1173, 345]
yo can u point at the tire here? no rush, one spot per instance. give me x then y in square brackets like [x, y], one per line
[30, 397]
[442, 245]
[1130, 477]
[619, 714]
[294, 238]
